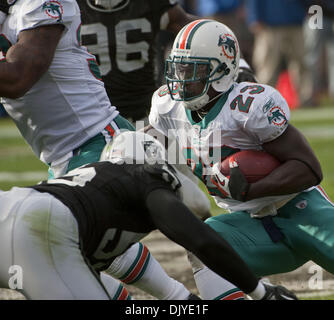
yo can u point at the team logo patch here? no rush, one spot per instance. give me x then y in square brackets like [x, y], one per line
[270, 104]
[276, 116]
[54, 10]
[229, 47]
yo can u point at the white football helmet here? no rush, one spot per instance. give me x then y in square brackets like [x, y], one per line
[205, 53]
[107, 5]
[134, 147]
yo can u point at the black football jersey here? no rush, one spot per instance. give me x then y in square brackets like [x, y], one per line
[124, 45]
[108, 202]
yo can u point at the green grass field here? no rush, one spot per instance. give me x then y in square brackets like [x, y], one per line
[20, 167]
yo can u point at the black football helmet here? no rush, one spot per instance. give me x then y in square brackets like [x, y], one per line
[107, 5]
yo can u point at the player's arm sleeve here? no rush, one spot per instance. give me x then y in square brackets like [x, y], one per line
[269, 117]
[176, 222]
[158, 110]
[39, 13]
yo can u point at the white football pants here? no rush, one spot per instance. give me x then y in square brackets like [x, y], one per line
[39, 249]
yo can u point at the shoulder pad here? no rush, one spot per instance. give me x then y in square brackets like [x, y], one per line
[37, 13]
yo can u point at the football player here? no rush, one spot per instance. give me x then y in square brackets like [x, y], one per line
[283, 220]
[122, 35]
[51, 86]
[52, 89]
[63, 231]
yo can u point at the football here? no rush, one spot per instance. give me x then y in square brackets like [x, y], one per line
[254, 164]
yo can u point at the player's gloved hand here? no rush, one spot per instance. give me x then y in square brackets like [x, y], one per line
[235, 186]
[277, 293]
[246, 74]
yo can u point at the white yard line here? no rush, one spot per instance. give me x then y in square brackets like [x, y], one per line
[23, 176]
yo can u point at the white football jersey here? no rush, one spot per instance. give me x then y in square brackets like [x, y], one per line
[68, 105]
[245, 117]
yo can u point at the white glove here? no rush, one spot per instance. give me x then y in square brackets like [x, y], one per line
[220, 181]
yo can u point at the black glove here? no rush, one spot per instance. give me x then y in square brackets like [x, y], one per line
[238, 183]
[277, 293]
[246, 74]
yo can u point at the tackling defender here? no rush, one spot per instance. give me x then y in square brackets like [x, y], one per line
[63, 231]
[52, 89]
[278, 223]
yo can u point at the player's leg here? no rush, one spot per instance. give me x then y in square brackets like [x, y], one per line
[115, 289]
[308, 224]
[210, 285]
[251, 241]
[145, 273]
[45, 240]
[87, 153]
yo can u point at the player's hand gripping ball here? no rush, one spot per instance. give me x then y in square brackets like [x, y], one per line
[234, 174]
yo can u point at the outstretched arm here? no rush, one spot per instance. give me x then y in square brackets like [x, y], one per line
[175, 220]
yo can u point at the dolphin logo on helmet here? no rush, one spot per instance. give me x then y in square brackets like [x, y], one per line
[229, 47]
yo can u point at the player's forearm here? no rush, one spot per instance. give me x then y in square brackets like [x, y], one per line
[28, 60]
[20, 71]
[291, 177]
[174, 220]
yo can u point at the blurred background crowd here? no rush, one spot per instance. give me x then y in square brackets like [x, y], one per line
[288, 43]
